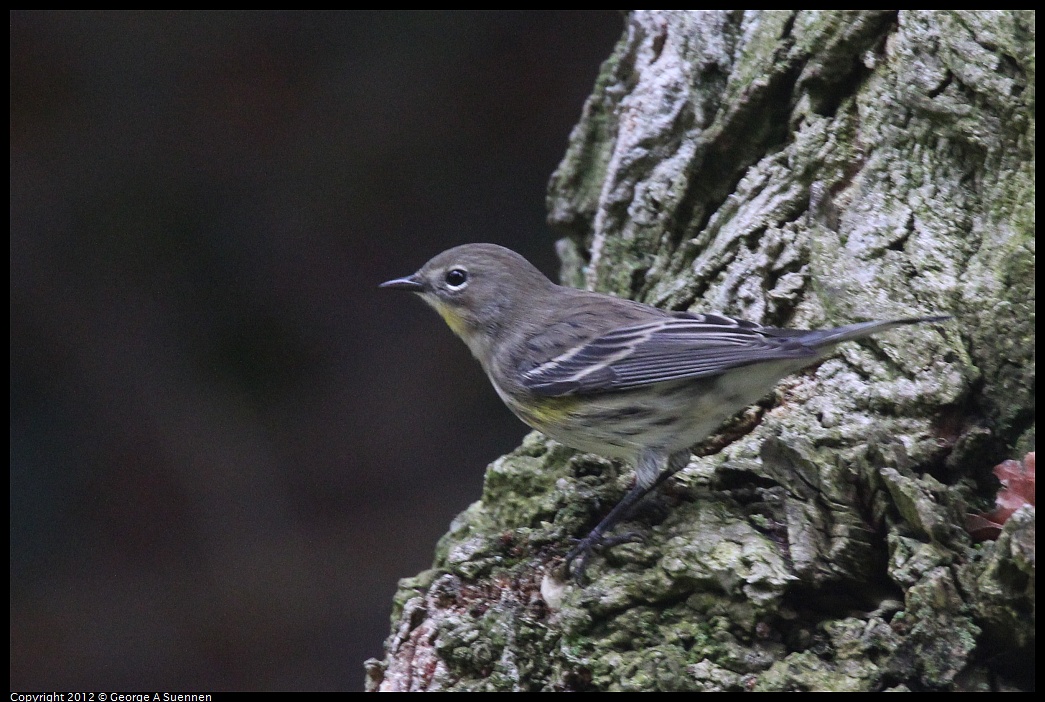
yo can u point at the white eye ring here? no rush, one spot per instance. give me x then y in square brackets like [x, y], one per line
[456, 278]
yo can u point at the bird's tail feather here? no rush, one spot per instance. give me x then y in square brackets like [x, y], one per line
[827, 337]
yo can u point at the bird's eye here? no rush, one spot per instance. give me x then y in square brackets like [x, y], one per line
[456, 278]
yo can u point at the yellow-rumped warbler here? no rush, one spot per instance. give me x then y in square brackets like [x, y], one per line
[609, 376]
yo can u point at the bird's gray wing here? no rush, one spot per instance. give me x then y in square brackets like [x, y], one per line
[666, 349]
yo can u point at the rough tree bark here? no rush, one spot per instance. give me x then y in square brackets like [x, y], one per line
[806, 168]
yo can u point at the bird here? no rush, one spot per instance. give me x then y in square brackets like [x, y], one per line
[610, 376]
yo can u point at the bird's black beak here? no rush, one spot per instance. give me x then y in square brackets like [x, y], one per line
[410, 283]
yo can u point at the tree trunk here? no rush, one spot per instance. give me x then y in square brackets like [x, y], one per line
[803, 169]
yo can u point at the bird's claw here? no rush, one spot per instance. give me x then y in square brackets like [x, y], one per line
[577, 559]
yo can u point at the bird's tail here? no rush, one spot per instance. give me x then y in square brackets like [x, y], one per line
[829, 337]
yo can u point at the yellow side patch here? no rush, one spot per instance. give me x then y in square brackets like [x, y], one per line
[547, 411]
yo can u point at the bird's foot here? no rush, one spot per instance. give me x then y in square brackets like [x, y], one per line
[577, 559]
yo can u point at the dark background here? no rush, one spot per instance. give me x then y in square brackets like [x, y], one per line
[226, 444]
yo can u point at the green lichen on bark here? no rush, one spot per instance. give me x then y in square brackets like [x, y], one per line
[804, 168]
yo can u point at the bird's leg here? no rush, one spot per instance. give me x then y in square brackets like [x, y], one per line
[596, 537]
[650, 473]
